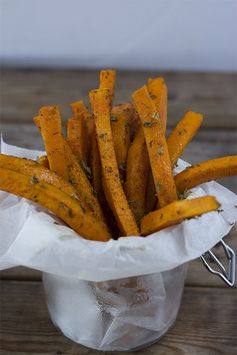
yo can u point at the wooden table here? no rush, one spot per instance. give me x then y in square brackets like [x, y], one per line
[207, 321]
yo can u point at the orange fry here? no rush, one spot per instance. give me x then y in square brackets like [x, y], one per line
[51, 130]
[121, 135]
[206, 171]
[55, 200]
[156, 146]
[100, 102]
[182, 134]
[177, 211]
[77, 131]
[107, 81]
[159, 94]
[137, 175]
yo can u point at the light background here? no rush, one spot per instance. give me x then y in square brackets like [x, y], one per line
[138, 34]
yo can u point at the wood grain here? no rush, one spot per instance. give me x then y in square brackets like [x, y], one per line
[207, 324]
[23, 91]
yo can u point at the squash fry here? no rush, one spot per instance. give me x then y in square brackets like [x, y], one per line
[121, 136]
[51, 130]
[74, 135]
[206, 171]
[96, 170]
[151, 198]
[55, 200]
[137, 175]
[156, 146]
[182, 134]
[159, 94]
[100, 102]
[78, 179]
[177, 211]
[42, 174]
[77, 134]
[107, 81]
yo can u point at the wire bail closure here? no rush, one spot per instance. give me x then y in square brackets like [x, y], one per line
[228, 276]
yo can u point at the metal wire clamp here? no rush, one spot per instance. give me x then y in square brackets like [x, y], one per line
[228, 276]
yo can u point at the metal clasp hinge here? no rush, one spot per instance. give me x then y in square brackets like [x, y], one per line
[228, 276]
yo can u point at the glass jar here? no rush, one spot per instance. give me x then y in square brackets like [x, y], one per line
[117, 315]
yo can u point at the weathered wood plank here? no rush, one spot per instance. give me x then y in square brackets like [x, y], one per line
[207, 324]
[23, 91]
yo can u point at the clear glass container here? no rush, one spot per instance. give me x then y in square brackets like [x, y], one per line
[118, 315]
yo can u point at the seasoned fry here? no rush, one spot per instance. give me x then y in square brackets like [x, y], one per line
[100, 102]
[159, 94]
[182, 134]
[137, 175]
[121, 135]
[77, 131]
[156, 146]
[151, 199]
[50, 197]
[74, 135]
[43, 160]
[79, 180]
[206, 171]
[38, 172]
[96, 169]
[177, 211]
[51, 130]
[107, 81]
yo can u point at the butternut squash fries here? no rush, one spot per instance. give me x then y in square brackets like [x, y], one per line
[156, 146]
[57, 201]
[113, 174]
[51, 130]
[209, 170]
[175, 212]
[182, 134]
[100, 102]
[137, 175]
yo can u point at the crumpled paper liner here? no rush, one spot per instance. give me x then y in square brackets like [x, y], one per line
[32, 237]
[92, 288]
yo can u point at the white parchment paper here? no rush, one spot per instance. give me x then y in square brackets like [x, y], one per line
[32, 237]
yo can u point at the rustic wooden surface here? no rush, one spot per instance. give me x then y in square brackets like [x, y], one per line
[207, 321]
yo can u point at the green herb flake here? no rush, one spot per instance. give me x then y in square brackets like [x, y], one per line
[122, 166]
[72, 181]
[220, 210]
[132, 202]
[160, 150]
[101, 136]
[75, 197]
[94, 193]
[34, 180]
[153, 97]
[158, 186]
[184, 195]
[70, 213]
[148, 124]
[156, 116]
[113, 119]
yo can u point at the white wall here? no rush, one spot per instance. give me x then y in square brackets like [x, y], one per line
[155, 34]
